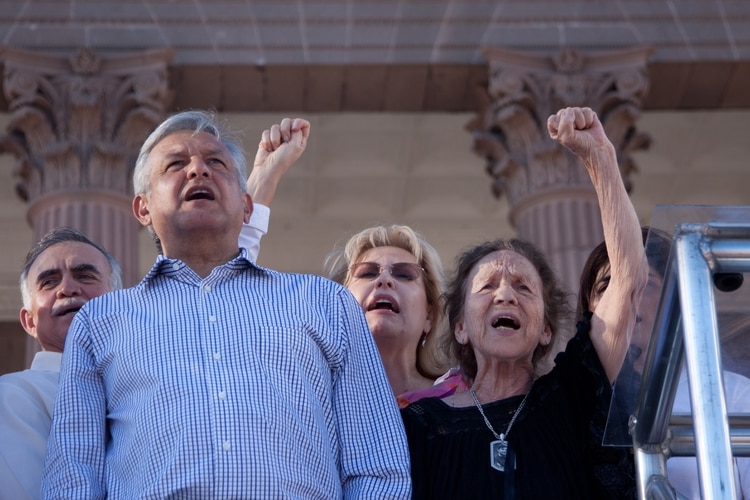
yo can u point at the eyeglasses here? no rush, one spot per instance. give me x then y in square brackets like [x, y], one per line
[401, 271]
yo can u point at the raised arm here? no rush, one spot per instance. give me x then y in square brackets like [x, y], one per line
[580, 130]
[279, 147]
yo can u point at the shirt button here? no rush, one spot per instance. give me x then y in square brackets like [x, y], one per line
[226, 446]
[217, 356]
[175, 266]
[222, 395]
[212, 319]
[206, 288]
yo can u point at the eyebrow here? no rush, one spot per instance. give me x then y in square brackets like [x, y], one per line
[46, 274]
[86, 267]
[76, 269]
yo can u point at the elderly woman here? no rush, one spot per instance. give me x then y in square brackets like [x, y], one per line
[397, 278]
[512, 434]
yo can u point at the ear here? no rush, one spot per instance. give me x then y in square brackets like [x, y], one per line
[247, 209]
[428, 321]
[140, 209]
[28, 323]
[546, 335]
[460, 333]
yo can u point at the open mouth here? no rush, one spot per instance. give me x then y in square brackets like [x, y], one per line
[199, 193]
[383, 304]
[506, 322]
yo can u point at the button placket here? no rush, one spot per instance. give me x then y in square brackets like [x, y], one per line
[216, 355]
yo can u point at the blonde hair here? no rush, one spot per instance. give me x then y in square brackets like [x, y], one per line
[432, 361]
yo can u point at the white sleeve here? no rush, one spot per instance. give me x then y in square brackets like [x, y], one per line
[253, 231]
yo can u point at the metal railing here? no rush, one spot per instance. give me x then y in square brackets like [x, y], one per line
[687, 328]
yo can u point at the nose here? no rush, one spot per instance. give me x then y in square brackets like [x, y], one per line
[385, 278]
[69, 287]
[505, 294]
[198, 168]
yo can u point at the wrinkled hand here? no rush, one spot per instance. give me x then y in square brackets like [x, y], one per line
[279, 147]
[579, 130]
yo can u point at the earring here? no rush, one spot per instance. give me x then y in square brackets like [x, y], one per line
[424, 338]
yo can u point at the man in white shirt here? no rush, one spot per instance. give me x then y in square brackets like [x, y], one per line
[61, 273]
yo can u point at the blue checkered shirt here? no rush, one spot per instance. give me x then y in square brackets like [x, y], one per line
[249, 383]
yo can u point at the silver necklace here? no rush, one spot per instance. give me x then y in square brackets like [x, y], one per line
[499, 447]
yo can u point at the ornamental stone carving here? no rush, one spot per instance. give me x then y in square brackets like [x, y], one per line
[525, 88]
[77, 122]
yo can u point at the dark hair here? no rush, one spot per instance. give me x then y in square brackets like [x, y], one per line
[55, 237]
[657, 243]
[556, 308]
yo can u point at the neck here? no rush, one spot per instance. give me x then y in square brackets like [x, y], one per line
[495, 386]
[202, 259]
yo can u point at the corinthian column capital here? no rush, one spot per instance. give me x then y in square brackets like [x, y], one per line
[77, 121]
[525, 88]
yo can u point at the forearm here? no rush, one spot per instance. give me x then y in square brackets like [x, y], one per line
[622, 231]
[628, 268]
[262, 184]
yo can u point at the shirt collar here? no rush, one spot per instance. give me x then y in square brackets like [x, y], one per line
[47, 361]
[165, 265]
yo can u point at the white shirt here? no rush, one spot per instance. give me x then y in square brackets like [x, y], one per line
[682, 472]
[253, 231]
[26, 402]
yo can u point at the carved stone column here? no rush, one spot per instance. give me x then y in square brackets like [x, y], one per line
[76, 126]
[552, 200]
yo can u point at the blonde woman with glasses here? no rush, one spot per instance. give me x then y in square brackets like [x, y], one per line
[397, 278]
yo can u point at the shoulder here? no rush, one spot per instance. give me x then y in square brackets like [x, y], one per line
[10, 382]
[25, 378]
[27, 387]
[303, 285]
[300, 278]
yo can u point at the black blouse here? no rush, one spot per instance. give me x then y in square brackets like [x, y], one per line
[450, 447]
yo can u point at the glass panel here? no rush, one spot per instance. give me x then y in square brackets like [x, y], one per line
[732, 297]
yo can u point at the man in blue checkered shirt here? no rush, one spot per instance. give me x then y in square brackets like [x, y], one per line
[213, 377]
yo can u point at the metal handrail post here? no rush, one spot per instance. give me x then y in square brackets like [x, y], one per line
[703, 359]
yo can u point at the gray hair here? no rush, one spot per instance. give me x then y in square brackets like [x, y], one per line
[556, 307]
[55, 237]
[195, 121]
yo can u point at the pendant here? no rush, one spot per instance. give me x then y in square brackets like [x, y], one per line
[498, 452]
